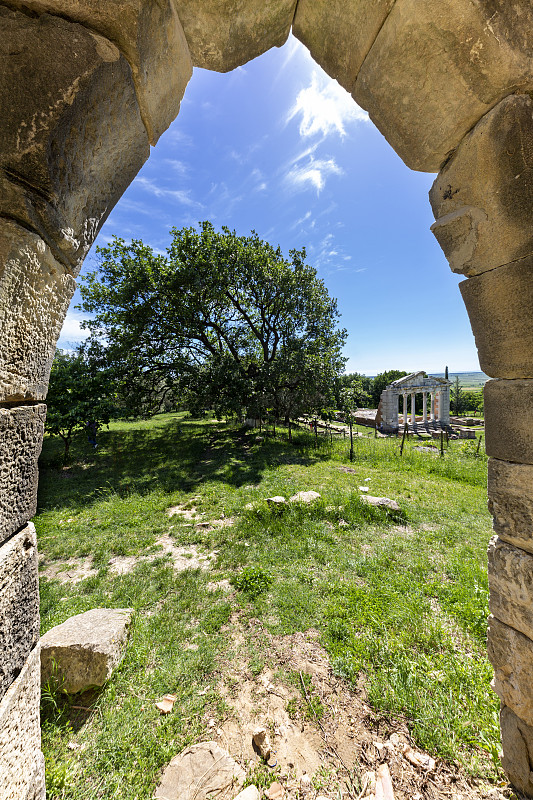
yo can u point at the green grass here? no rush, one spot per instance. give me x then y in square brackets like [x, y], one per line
[400, 599]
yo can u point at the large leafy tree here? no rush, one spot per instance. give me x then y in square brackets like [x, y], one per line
[225, 317]
[80, 394]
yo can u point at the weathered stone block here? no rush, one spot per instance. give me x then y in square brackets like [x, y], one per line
[19, 603]
[339, 33]
[499, 306]
[35, 291]
[517, 745]
[83, 651]
[511, 655]
[223, 34]
[511, 585]
[21, 436]
[510, 489]
[71, 135]
[21, 775]
[483, 197]
[437, 67]
[508, 429]
[152, 39]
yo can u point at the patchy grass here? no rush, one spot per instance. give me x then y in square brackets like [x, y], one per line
[400, 599]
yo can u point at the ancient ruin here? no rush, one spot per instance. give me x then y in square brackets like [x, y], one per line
[436, 389]
[88, 85]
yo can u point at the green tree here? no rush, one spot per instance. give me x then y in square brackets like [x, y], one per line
[79, 395]
[382, 380]
[457, 397]
[473, 400]
[226, 318]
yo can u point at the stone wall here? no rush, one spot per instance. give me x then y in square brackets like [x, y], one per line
[87, 85]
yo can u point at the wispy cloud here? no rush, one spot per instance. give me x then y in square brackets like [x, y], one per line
[324, 108]
[312, 173]
[72, 332]
[179, 195]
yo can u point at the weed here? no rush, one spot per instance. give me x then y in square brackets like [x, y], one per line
[252, 581]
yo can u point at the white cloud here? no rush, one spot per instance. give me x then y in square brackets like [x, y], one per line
[314, 172]
[72, 332]
[179, 195]
[324, 108]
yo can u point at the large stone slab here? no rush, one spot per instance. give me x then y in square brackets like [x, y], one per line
[511, 585]
[35, 291]
[437, 67]
[82, 652]
[508, 420]
[223, 34]
[71, 135]
[517, 746]
[19, 603]
[499, 306]
[511, 655]
[339, 33]
[21, 773]
[482, 198]
[510, 488]
[152, 39]
[201, 771]
[21, 436]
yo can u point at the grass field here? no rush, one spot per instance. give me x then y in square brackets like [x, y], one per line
[399, 599]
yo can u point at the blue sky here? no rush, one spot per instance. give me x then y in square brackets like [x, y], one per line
[278, 147]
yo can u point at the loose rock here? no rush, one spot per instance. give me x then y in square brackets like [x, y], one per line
[304, 497]
[262, 742]
[83, 652]
[276, 791]
[203, 770]
[250, 793]
[277, 500]
[383, 502]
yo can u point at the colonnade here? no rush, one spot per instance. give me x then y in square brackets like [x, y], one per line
[435, 405]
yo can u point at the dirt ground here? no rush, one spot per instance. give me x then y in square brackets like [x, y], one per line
[340, 745]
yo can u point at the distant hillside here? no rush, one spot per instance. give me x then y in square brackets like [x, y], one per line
[468, 380]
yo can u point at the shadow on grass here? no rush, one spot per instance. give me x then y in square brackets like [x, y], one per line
[174, 456]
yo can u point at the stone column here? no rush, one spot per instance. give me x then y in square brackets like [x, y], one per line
[413, 408]
[437, 406]
[432, 409]
[75, 130]
[424, 407]
[483, 205]
[404, 395]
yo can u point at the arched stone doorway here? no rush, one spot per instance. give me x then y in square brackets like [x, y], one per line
[88, 85]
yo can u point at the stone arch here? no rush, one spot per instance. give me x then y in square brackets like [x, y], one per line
[86, 86]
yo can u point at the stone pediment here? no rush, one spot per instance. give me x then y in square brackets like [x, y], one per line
[418, 381]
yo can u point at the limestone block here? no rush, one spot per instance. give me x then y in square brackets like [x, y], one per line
[21, 774]
[71, 135]
[152, 39]
[83, 651]
[517, 746]
[483, 197]
[499, 306]
[511, 655]
[19, 603]
[223, 34]
[508, 429]
[437, 67]
[511, 585]
[510, 489]
[35, 291]
[202, 770]
[339, 33]
[21, 436]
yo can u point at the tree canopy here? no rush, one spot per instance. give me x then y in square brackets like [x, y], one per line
[79, 396]
[225, 318]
